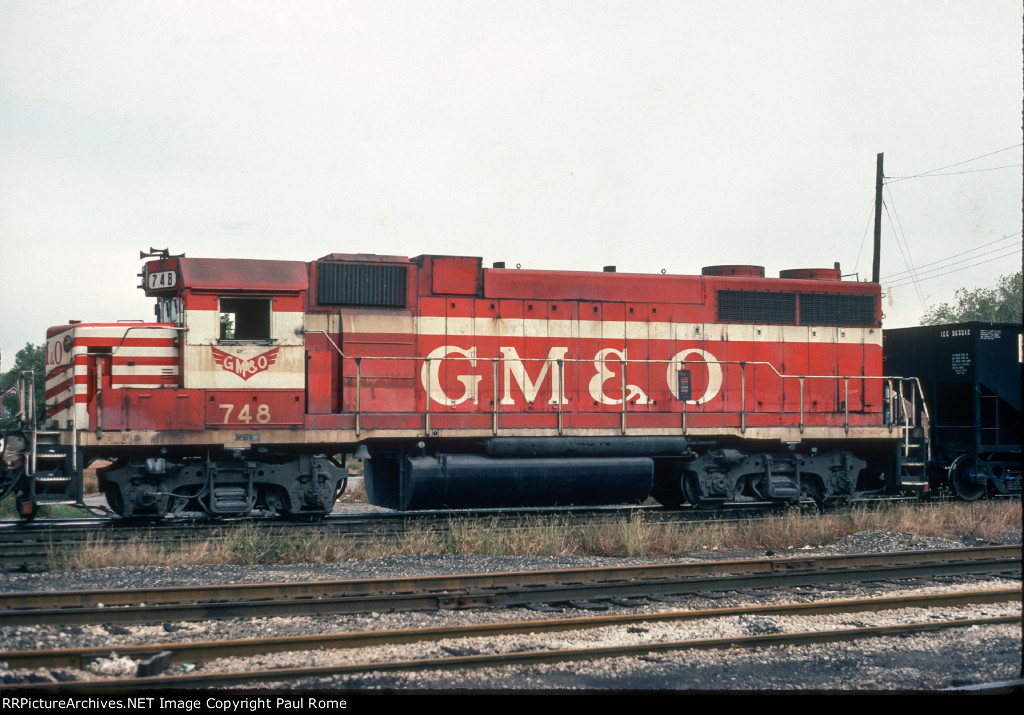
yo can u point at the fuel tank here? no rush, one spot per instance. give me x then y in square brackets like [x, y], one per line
[464, 481]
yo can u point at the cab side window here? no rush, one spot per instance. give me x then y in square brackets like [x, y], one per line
[245, 319]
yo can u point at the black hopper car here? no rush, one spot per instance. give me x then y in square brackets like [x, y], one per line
[970, 422]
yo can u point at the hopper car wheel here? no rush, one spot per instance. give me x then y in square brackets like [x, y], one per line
[961, 479]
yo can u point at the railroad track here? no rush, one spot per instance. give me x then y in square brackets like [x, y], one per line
[154, 605]
[28, 546]
[191, 654]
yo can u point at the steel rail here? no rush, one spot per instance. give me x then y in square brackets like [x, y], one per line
[73, 531]
[30, 546]
[205, 651]
[523, 657]
[479, 590]
[494, 580]
[14, 531]
[50, 538]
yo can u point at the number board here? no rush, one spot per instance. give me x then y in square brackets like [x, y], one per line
[250, 409]
[161, 280]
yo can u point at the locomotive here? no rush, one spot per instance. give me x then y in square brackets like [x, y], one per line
[465, 386]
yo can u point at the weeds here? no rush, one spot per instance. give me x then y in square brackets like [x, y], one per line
[552, 536]
[246, 545]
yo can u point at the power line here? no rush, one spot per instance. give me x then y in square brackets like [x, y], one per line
[962, 253]
[864, 238]
[959, 163]
[906, 256]
[957, 270]
[965, 260]
[954, 173]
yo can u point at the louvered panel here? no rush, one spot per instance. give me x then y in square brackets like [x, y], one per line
[361, 284]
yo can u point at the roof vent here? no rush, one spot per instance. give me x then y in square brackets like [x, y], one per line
[812, 274]
[735, 271]
[609, 269]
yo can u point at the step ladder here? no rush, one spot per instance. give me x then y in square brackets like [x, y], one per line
[909, 414]
[913, 461]
[49, 468]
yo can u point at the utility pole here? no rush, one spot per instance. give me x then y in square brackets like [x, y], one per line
[878, 221]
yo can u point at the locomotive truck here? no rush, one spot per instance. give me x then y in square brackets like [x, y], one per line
[465, 386]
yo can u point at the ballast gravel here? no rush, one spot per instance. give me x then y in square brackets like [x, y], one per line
[928, 661]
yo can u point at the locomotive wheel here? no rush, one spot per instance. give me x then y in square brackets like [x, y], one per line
[340, 489]
[114, 499]
[961, 481]
[811, 488]
[694, 494]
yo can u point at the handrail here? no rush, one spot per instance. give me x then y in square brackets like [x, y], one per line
[333, 344]
[632, 362]
[27, 415]
[124, 337]
[624, 363]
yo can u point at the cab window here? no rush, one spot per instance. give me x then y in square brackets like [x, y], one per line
[245, 319]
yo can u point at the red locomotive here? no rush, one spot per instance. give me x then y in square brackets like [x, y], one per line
[465, 386]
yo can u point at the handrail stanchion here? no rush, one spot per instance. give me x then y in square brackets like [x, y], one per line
[801, 404]
[358, 392]
[561, 390]
[682, 366]
[888, 400]
[903, 408]
[846, 404]
[494, 414]
[623, 425]
[743, 397]
[426, 413]
[913, 407]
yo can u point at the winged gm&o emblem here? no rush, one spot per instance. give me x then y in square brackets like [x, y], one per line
[245, 367]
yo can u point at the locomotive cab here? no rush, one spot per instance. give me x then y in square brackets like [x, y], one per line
[207, 391]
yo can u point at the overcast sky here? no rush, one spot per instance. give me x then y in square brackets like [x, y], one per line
[669, 134]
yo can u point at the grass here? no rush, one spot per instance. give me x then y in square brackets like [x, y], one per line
[51, 511]
[556, 536]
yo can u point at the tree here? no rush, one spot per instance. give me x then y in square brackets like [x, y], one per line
[1001, 304]
[31, 357]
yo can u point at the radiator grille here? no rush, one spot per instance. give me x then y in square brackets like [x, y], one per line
[756, 306]
[361, 284]
[770, 308]
[832, 309]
